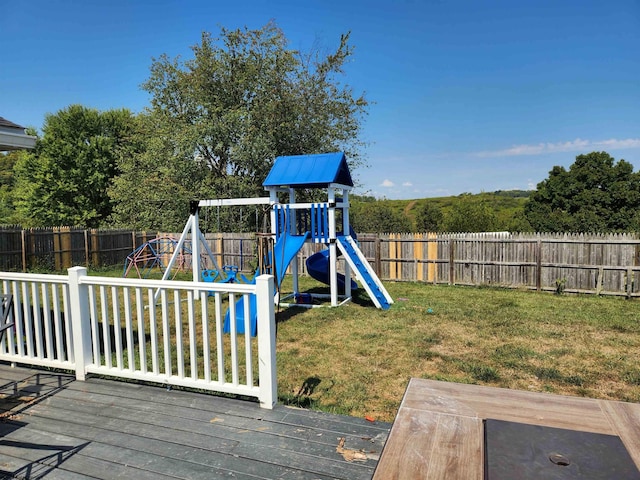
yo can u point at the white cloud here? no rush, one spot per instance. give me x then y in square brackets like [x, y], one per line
[572, 146]
[613, 143]
[407, 184]
[387, 183]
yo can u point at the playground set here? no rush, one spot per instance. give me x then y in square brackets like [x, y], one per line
[292, 225]
[153, 253]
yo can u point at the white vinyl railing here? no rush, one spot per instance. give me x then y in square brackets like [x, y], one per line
[41, 334]
[167, 332]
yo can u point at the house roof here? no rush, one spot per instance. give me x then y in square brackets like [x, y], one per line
[6, 123]
[13, 136]
[309, 171]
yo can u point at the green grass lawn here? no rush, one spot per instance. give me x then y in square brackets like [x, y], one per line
[357, 359]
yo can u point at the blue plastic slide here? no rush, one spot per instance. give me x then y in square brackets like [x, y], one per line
[285, 250]
[318, 268]
[253, 316]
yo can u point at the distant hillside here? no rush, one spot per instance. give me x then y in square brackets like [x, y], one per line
[513, 193]
[506, 205]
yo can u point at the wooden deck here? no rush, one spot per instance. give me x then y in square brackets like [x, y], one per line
[52, 426]
[438, 431]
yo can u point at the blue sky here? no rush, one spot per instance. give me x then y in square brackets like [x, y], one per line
[469, 96]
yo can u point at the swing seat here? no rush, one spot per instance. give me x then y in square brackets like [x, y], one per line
[210, 275]
[232, 274]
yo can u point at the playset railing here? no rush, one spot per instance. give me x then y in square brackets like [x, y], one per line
[167, 332]
[306, 217]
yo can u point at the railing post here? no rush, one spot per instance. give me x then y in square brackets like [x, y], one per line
[80, 324]
[266, 341]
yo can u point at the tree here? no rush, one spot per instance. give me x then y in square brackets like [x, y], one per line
[64, 181]
[470, 214]
[153, 189]
[8, 214]
[224, 115]
[377, 217]
[596, 194]
[429, 217]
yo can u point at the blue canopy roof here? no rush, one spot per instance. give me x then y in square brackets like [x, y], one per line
[310, 171]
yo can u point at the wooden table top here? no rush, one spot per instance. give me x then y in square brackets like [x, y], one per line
[438, 430]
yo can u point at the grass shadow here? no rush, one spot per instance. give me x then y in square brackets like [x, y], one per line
[302, 399]
[287, 313]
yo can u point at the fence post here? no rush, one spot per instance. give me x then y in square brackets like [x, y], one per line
[95, 247]
[599, 280]
[266, 341]
[539, 264]
[452, 266]
[86, 248]
[432, 256]
[58, 261]
[80, 324]
[23, 239]
[220, 248]
[66, 252]
[418, 256]
[378, 255]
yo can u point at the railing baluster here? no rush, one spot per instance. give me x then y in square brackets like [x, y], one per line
[10, 336]
[206, 347]
[58, 335]
[193, 353]
[179, 341]
[35, 319]
[142, 350]
[247, 339]
[219, 339]
[106, 334]
[153, 331]
[130, 345]
[95, 326]
[18, 315]
[166, 333]
[235, 378]
[66, 322]
[46, 323]
[117, 327]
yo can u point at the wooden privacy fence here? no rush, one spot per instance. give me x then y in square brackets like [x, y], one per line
[59, 248]
[604, 264]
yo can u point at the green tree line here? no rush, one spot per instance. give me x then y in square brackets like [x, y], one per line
[484, 212]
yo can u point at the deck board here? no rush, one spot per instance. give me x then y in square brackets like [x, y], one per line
[108, 429]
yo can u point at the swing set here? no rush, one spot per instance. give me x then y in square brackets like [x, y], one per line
[200, 247]
[292, 225]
